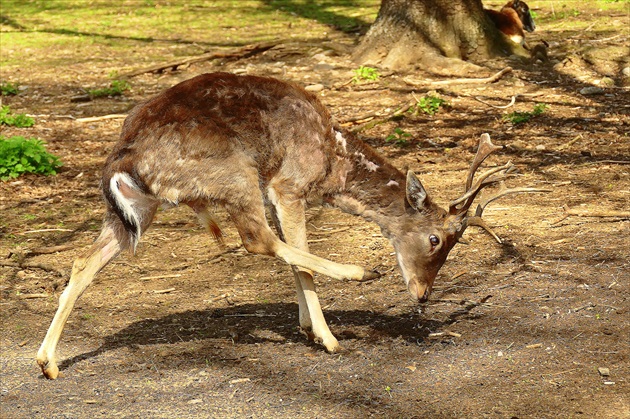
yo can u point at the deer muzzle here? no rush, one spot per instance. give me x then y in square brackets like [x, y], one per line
[419, 291]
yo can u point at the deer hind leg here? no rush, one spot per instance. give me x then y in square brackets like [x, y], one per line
[107, 246]
[290, 223]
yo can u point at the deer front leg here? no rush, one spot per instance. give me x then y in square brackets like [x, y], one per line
[83, 271]
[291, 223]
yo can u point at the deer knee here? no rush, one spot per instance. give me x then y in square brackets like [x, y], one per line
[79, 265]
[260, 244]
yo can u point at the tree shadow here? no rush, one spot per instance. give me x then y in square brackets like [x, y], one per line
[322, 12]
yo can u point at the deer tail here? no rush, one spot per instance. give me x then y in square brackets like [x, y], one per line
[130, 200]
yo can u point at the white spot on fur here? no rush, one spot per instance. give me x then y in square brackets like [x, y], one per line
[340, 140]
[371, 166]
[392, 183]
[517, 39]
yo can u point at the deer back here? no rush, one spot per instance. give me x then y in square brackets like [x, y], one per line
[193, 141]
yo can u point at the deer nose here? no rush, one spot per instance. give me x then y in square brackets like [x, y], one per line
[419, 291]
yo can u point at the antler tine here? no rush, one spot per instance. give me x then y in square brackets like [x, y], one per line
[476, 220]
[481, 183]
[484, 149]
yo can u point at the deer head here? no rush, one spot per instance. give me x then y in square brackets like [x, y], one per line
[424, 238]
[522, 10]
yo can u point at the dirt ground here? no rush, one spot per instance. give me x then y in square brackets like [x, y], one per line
[536, 327]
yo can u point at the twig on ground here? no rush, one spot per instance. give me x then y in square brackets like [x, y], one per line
[31, 265]
[609, 162]
[244, 52]
[490, 79]
[217, 298]
[166, 291]
[45, 230]
[33, 296]
[327, 232]
[383, 119]
[512, 102]
[568, 212]
[146, 278]
[570, 143]
[102, 118]
[49, 250]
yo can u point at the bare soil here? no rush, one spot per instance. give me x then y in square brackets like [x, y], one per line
[535, 327]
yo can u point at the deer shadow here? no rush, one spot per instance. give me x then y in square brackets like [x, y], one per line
[241, 322]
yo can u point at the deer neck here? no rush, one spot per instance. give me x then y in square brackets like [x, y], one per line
[374, 189]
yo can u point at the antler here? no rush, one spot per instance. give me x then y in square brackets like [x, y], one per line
[486, 179]
[483, 151]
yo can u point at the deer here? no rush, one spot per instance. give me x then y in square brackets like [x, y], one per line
[259, 146]
[513, 20]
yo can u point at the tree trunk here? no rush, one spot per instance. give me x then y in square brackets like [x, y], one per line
[437, 35]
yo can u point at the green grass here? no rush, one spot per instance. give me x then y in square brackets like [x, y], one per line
[518, 117]
[19, 155]
[429, 104]
[365, 74]
[8, 89]
[116, 88]
[32, 29]
[19, 120]
[399, 137]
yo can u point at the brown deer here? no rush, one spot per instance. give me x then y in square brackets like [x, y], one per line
[513, 20]
[248, 142]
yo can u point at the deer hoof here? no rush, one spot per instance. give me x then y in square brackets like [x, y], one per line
[308, 332]
[49, 369]
[331, 345]
[371, 275]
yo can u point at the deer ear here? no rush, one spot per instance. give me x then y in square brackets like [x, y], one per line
[416, 195]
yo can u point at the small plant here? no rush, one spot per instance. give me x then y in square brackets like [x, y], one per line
[365, 74]
[8, 89]
[116, 88]
[399, 137]
[430, 104]
[522, 117]
[19, 155]
[19, 120]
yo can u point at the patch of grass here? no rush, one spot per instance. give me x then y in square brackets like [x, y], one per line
[399, 137]
[116, 88]
[111, 28]
[365, 74]
[8, 89]
[522, 117]
[430, 104]
[19, 120]
[19, 155]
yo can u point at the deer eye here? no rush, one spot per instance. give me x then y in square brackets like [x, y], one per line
[435, 240]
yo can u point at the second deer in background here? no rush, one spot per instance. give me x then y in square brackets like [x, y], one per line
[513, 20]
